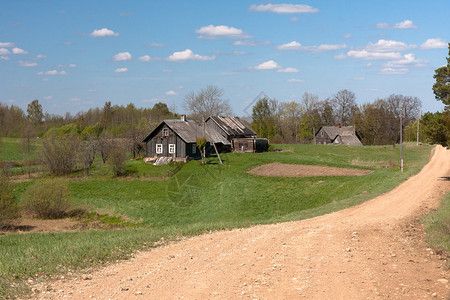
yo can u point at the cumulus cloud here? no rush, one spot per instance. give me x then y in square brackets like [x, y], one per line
[23, 63]
[294, 45]
[145, 58]
[4, 51]
[288, 70]
[171, 93]
[4, 58]
[388, 46]
[16, 50]
[283, 8]
[433, 44]
[103, 32]
[267, 65]
[393, 71]
[221, 31]
[7, 44]
[188, 55]
[370, 55]
[407, 24]
[122, 56]
[121, 70]
[52, 72]
[407, 60]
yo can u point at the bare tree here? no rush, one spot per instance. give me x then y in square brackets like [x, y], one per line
[28, 135]
[208, 102]
[59, 153]
[105, 144]
[344, 103]
[88, 149]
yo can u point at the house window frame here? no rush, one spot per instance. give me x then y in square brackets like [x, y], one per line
[165, 132]
[159, 148]
[172, 149]
[194, 149]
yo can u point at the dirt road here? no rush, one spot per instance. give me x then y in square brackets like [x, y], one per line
[372, 251]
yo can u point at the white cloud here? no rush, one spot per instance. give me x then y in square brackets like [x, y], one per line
[103, 32]
[48, 97]
[284, 8]
[171, 93]
[16, 50]
[295, 80]
[188, 55]
[288, 70]
[294, 45]
[40, 56]
[145, 58]
[121, 70]
[75, 100]
[53, 72]
[388, 46]
[250, 43]
[221, 31]
[369, 55]
[407, 60]
[167, 71]
[7, 45]
[155, 45]
[23, 63]
[67, 66]
[434, 44]
[347, 36]
[4, 51]
[4, 58]
[407, 24]
[267, 65]
[122, 56]
[392, 71]
[290, 46]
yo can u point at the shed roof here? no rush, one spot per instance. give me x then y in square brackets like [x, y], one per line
[233, 126]
[347, 134]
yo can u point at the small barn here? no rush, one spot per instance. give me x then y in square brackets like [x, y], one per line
[338, 135]
[177, 140]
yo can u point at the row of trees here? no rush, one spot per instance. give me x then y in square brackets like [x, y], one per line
[296, 122]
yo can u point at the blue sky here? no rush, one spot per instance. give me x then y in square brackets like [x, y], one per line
[74, 55]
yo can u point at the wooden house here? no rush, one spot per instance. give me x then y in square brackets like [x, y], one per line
[177, 140]
[345, 135]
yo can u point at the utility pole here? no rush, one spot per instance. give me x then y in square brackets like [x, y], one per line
[401, 140]
[418, 122]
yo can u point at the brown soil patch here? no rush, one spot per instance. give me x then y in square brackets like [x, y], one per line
[290, 170]
[27, 225]
[372, 251]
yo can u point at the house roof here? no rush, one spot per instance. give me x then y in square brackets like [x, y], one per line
[189, 131]
[347, 134]
[233, 126]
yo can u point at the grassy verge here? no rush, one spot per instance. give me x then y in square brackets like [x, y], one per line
[196, 199]
[437, 227]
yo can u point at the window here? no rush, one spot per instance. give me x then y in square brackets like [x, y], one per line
[159, 148]
[172, 148]
[165, 132]
[194, 149]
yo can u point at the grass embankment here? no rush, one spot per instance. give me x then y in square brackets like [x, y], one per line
[437, 227]
[198, 199]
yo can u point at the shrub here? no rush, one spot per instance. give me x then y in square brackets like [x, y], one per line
[47, 199]
[59, 153]
[9, 209]
[117, 158]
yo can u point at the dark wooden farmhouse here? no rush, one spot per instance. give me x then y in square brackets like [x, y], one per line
[345, 135]
[177, 139]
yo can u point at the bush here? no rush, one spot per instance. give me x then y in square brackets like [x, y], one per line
[47, 199]
[9, 209]
[59, 153]
[117, 158]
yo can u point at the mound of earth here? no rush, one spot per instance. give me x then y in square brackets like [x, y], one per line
[290, 170]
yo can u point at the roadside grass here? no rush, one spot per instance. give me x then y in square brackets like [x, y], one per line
[197, 199]
[437, 227]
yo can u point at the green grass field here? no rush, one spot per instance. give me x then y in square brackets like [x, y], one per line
[196, 199]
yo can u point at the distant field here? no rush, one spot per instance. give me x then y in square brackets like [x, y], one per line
[11, 149]
[202, 198]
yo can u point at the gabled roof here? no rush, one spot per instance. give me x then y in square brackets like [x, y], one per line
[346, 133]
[233, 126]
[189, 131]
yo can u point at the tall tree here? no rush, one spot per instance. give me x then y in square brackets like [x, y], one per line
[207, 102]
[264, 117]
[344, 103]
[441, 88]
[34, 112]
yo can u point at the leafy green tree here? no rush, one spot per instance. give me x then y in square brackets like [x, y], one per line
[435, 131]
[264, 117]
[441, 88]
[34, 112]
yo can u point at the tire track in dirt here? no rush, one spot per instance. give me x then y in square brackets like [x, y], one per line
[372, 251]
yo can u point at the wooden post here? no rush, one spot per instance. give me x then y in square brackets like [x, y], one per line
[217, 152]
